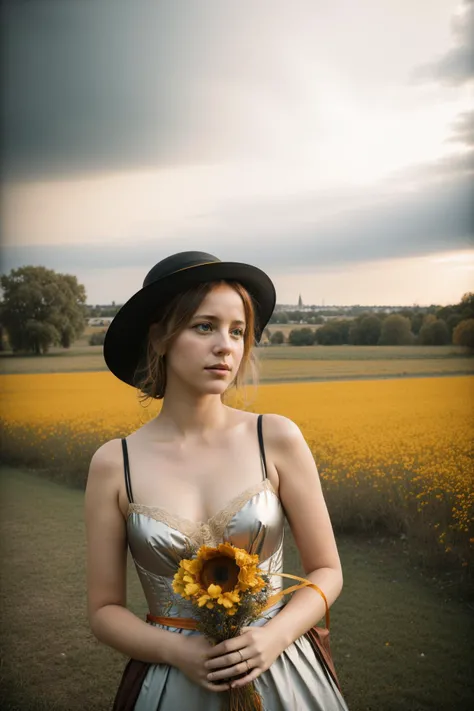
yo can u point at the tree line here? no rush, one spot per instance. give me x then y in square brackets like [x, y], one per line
[41, 308]
[436, 327]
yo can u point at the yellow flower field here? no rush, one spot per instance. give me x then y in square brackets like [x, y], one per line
[397, 453]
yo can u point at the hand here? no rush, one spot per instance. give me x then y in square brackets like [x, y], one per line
[190, 657]
[256, 645]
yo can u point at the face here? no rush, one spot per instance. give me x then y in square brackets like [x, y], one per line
[213, 336]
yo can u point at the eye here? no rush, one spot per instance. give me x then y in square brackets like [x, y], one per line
[199, 325]
[239, 331]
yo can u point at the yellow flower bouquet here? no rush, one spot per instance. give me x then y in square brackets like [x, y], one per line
[227, 581]
[228, 592]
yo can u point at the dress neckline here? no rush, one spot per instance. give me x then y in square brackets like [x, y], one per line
[225, 514]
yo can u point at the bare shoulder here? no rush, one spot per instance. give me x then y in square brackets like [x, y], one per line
[107, 456]
[105, 467]
[288, 450]
[280, 432]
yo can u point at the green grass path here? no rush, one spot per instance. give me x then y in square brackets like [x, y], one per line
[397, 640]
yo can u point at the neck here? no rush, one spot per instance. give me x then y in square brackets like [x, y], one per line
[184, 415]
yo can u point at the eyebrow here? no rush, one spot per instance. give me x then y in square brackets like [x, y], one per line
[215, 318]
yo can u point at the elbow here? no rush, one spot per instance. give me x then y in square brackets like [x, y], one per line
[334, 581]
[92, 618]
[338, 579]
[96, 619]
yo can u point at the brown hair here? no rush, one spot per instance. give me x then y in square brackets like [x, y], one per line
[150, 376]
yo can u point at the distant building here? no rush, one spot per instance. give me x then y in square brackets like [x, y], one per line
[100, 321]
[300, 302]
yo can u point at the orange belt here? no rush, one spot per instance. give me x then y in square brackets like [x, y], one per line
[189, 623]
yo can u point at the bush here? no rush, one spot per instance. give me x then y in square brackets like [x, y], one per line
[435, 333]
[97, 339]
[463, 334]
[396, 331]
[366, 332]
[277, 338]
[301, 337]
[334, 333]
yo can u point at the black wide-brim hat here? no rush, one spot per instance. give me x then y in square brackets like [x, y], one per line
[126, 337]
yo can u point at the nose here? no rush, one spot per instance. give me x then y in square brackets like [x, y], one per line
[223, 343]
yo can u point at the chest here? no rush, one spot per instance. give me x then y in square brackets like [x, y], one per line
[195, 483]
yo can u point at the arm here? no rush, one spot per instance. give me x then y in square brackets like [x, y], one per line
[307, 514]
[109, 619]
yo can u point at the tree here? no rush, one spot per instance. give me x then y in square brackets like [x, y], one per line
[279, 317]
[329, 335]
[416, 322]
[463, 334]
[301, 337]
[366, 332]
[334, 333]
[396, 331]
[277, 338]
[452, 321]
[97, 338]
[466, 307]
[434, 333]
[41, 308]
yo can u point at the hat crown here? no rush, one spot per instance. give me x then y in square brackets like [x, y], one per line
[176, 262]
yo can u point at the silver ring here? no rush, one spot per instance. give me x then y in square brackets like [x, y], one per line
[248, 668]
[241, 657]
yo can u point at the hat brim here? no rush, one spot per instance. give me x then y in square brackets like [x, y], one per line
[126, 335]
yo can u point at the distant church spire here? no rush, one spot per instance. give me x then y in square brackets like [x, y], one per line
[300, 301]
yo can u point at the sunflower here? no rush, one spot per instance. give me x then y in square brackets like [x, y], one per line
[218, 576]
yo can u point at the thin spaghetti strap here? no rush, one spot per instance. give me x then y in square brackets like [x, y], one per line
[126, 468]
[262, 448]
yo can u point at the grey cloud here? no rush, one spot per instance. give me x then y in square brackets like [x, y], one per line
[72, 100]
[457, 65]
[102, 84]
[94, 85]
[463, 129]
[422, 175]
[434, 218]
[439, 217]
[105, 85]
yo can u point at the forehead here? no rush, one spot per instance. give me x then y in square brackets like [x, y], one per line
[222, 300]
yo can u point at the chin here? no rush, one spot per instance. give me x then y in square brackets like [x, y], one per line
[217, 389]
[210, 388]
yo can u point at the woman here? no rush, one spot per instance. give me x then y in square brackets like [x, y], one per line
[204, 472]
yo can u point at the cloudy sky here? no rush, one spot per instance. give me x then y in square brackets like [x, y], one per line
[329, 142]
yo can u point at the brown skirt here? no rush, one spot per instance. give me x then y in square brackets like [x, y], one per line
[135, 671]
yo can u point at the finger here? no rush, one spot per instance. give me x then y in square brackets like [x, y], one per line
[216, 651]
[227, 660]
[227, 672]
[227, 645]
[254, 673]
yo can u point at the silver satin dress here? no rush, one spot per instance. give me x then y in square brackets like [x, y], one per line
[253, 521]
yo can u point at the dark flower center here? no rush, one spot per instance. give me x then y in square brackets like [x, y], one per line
[221, 571]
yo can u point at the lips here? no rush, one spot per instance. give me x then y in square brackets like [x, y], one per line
[218, 367]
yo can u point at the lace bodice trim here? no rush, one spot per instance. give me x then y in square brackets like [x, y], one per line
[204, 531]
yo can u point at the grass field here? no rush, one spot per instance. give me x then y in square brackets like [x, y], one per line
[400, 642]
[289, 363]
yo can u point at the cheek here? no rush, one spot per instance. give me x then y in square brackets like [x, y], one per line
[186, 349]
